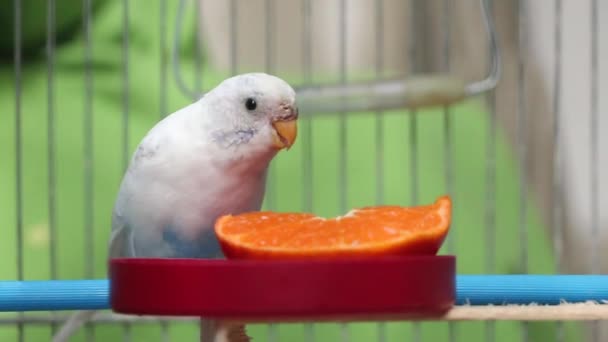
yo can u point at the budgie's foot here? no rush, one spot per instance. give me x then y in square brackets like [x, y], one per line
[218, 331]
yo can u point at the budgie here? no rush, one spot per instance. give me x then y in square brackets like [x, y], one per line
[203, 161]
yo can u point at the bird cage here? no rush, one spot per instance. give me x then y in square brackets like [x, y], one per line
[494, 103]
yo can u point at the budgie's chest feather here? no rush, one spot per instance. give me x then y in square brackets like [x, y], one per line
[175, 190]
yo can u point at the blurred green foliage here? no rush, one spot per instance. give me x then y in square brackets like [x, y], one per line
[68, 18]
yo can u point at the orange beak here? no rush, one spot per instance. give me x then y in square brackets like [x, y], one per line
[285, 133]
[285, 128]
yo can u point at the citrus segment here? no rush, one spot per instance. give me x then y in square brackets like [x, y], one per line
[368, 231]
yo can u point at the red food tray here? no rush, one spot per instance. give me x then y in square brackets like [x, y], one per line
[261, 291]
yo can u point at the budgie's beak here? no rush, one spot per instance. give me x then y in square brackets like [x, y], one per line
[285, 127]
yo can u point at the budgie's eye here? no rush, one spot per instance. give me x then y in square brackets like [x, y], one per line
[251, 104]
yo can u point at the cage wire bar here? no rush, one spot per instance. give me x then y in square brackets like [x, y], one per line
[342, 169]
[163, 107]
[521, 138]
[18, 155]
[413, 123]
[447, 133]
[490, 195]
[88, 156]
[165, 337]
[125, 115]
[50, 51]
[385, 94]
[379, 123]
[307, 152]
[269, 7]
[594, 142]
[556, 223]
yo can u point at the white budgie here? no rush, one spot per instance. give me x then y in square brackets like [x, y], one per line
[203, 161]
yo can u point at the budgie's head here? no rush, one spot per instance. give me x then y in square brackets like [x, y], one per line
[253, 111]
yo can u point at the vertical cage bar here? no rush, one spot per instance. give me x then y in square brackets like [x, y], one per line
[163, 59]
[342, 134]
[198, 65]
[307, 129]
[164, 326]
[447, 123]
[447, 135]
[127, 333]
[18, 156]
[594, 123]
[125, 84]
[556, 207]
[307, 154]
[413, 114]
[233, 37]
[521, 135]
[413, 129]
[345, 330]
[557, 165]
[88, 145]
[50, 86]
[273, 332]
[270, 25]
[594, 140]
[522, 143]
[50, 55]
[379, 123]
[490, 207]
[379, 114]
[88, 153]
[125, 112]
[198, 51]
[175, 62]
[269, 66]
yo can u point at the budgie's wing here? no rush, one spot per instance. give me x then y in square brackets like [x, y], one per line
[121, 240]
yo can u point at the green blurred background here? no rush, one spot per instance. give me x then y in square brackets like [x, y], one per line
[469, 132]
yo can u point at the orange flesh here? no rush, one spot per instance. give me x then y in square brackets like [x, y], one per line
[381, 230]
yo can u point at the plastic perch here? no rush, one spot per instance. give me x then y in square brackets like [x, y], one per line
[407, 288]
[476, 290]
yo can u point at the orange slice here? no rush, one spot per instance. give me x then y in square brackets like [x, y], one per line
[369, 231]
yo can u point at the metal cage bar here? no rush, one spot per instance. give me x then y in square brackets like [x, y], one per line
[594, 150]
[163, 105]
[447, 136]
[307, 132]
[51, 177]
[490, 195]
[522, 139]
[18, 151]
[88, 156]
[379, 124]
[270, 197]
[342, 139]
[413, 125]
[556, 207]
[126, 151]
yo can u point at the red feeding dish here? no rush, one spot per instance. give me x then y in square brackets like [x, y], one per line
[281, 290]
